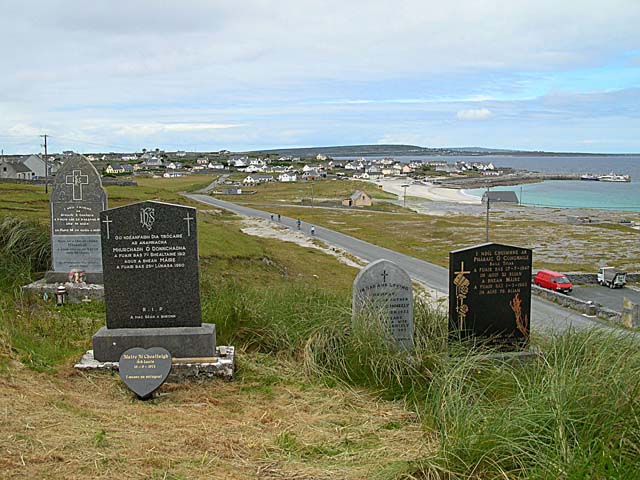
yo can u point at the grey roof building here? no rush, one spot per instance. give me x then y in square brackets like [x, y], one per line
[500, 196]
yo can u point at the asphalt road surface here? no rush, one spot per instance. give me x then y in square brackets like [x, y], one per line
[544, 315]
[607, 297]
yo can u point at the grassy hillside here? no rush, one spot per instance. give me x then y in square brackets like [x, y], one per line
[317, 396]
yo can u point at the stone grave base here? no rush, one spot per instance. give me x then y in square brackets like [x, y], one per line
[61, 277]
[221, 364]
[512, 358]
[110, 343]
[76, 292]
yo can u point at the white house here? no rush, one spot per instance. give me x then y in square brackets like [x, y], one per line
[287, 177]
[215, 166]
[239, 163]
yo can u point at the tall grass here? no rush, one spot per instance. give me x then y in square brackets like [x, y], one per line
[24, 241]
[37, 334]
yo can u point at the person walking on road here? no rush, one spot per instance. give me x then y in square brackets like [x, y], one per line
[298, 223]
[278, 217]
[313, 230]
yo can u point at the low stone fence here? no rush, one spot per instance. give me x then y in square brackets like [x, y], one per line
[583, 306]
[588, 308]
[592, 278]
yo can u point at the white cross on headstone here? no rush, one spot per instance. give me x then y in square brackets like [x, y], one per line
[188, 219]
[77, 180]
[106, 221]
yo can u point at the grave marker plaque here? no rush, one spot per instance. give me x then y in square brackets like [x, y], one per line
[385, 287]
[77, 198]
[490, 293]
[144, 370]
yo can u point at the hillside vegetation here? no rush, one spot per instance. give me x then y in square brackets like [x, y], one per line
[317, 396]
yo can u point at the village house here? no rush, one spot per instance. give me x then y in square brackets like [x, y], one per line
[17, 170]
[357, 199]
[215, 166]
[287, 177]
[153, 162]
[257, 179]
[116, 168]
[238, 163]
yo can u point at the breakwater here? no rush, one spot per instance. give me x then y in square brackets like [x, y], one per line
[505, 180]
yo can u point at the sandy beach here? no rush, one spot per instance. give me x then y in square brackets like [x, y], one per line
[430, 192]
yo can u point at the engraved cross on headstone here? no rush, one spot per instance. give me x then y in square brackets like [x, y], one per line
[106, 222]
[77, 180]
[188, 219]
[384, 275]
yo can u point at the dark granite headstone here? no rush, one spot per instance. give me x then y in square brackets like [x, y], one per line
[152, 296]
[490, 293]
[150, 259]
[384, 287]
[143, 371]
[77, 198]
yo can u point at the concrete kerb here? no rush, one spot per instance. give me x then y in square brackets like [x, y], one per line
[221, 366]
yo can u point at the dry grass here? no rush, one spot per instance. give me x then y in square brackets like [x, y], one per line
[78, 425]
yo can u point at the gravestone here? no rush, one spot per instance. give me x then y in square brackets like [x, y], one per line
[77, 198]
[144, 370]
[490, 294]
[152, 296]
[382, 286]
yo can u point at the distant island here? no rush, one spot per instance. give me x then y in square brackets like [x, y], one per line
[406, 150]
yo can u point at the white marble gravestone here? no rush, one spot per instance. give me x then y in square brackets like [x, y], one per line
[382, 286]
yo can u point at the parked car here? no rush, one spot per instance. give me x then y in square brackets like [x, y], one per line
[612, 277]
[553, 281]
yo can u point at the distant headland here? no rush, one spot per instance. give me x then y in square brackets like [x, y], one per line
[408, 150]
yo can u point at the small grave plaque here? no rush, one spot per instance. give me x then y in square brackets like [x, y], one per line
[144, 370]
[77, 198]
[383, 286]
[490, 293]
[150, 259]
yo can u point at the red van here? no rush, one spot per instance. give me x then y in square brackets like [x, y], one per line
[553, 281]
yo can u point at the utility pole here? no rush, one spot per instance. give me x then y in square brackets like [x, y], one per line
[520, 195]
[311, 193]
[405, 194]
[46, 165]
[487, 225]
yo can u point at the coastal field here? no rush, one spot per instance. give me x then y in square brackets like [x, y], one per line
[317, 395]
[430, 228]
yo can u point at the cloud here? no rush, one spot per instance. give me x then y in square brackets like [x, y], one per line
[474, 114]
[155, 128]
[325, 71]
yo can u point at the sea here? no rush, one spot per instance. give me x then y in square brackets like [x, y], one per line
[565, 193]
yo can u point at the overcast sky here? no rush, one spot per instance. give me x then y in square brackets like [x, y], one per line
[105, 75]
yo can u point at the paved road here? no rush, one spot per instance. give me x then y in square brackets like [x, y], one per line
[544, 314]
[607, 297]
[213, 185]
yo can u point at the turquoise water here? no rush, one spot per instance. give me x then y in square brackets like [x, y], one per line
[575, 194]
[566, 194]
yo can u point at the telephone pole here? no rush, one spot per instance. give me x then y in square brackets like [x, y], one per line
[487, 225]
[46, 165]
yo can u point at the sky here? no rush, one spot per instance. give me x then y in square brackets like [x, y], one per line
[112, 75]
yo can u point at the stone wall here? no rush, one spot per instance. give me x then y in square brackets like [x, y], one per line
[592, 279]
